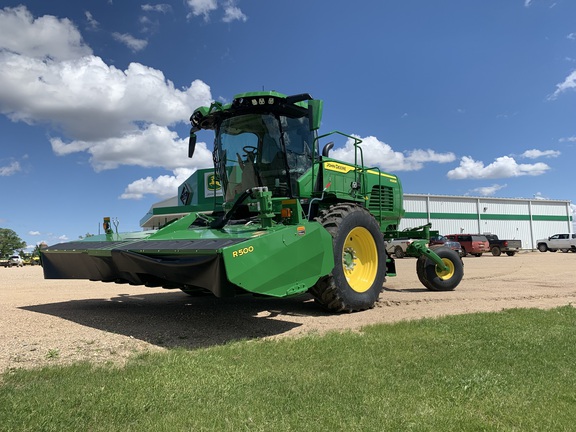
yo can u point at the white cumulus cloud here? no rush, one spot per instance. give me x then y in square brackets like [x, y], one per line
[163, 186]
[48, 75]
[568, 84]
[130, 41]
[488, 190]
[535, 154]
[92, 23]
[233, 13]
[205, 7]
[380, 154]
[202, 7]
[43, 37]
[9, 170]
[154, 146]
[162, 8]
[502, 167]
[89, 99]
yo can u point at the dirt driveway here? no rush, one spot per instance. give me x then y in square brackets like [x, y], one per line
[60, 321]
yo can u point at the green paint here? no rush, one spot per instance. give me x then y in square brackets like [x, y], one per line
[486, 216]
[281, 262]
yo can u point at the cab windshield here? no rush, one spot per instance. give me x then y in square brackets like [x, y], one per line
[263, 150]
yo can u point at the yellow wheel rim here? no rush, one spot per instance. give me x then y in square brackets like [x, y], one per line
[360, 259]
[446, 274]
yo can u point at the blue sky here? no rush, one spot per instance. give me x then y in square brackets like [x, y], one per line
[473, 97]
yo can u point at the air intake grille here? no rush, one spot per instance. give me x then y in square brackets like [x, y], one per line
[381, 199]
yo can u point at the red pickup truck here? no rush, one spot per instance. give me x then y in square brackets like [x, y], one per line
[473, 244]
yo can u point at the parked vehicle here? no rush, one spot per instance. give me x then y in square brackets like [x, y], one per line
[397, 247]
[31, 260]
[13, 261]
[497, 246]
[474, 244]
[563, 242]
[440, 240]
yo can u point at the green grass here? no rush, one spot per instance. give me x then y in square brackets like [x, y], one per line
[509, 371]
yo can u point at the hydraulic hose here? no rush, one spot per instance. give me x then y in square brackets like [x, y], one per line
[223, 220]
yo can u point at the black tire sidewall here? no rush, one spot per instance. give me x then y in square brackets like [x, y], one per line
[354, 299]
[433, 281]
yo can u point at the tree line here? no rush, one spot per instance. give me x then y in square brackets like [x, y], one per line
[11, 243]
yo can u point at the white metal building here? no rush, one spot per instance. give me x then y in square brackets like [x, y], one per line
[509, 218]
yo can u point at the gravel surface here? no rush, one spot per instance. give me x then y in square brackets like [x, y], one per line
[46, 322]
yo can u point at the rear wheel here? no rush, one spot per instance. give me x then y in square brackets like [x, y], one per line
[436, 279]
[496, 251]
[464, 253]
[359, 260]
[398, 252]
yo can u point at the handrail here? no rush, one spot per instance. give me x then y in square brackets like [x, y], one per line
[357, 142]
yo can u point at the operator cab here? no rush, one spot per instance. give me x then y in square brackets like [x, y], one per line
[263, 150]
[261, 140]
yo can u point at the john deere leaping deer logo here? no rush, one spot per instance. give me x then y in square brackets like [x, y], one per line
[213, 184]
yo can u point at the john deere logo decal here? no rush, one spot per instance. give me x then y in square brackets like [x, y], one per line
[338, 167]
[213, 183]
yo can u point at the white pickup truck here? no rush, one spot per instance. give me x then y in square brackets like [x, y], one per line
[563, 242]
[398, 247]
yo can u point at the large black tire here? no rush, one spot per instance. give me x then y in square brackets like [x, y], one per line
[464, 253]
[542, 247]
[359, 260]
[435, 279]
[496, 251]
[511, 253]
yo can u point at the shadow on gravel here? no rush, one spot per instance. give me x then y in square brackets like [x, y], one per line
[174, 319]
[414, 290]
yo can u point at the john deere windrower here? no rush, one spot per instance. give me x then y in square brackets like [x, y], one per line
[291, 220]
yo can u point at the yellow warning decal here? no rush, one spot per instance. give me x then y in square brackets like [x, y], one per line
[344, 168]
[338, 167]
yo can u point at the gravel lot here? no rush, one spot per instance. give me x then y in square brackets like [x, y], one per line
[60, 321]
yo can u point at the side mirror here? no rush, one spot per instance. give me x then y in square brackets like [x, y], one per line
[315, 113]
[191, 144]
